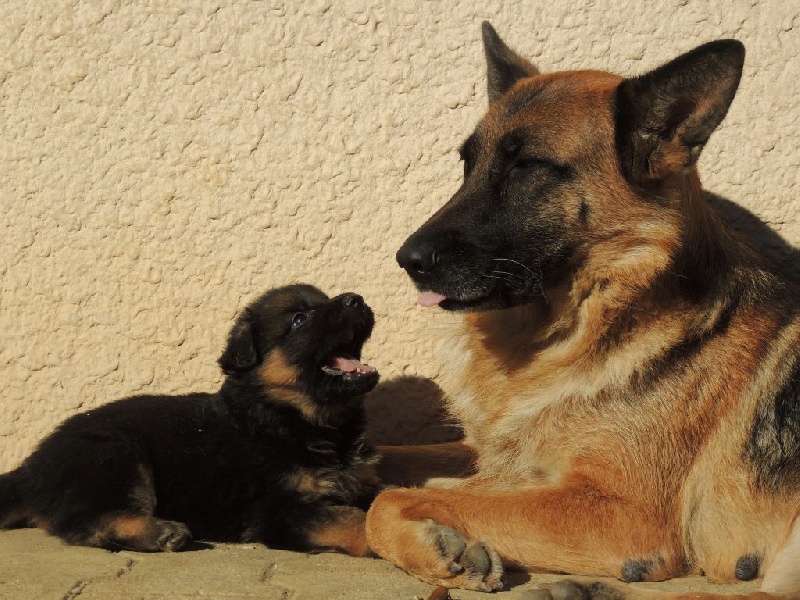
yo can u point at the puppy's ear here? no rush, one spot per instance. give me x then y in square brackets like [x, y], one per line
[504, 66]
[240, 354]
[664, 118]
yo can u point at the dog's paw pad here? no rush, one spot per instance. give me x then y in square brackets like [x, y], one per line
[536, 595]
[450, 544]
[569, 590]
[475, 565]
[572, 590]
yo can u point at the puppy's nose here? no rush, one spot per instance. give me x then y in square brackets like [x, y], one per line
[418, 259]
[352, 300]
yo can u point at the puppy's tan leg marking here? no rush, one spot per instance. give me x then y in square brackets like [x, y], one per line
[140, 532]
[345, 533]
[569, 529]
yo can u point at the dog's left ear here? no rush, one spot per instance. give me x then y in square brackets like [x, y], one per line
[240, 353]
[664, 118]
[504, 67]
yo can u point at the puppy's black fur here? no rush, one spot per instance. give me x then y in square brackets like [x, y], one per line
[276, 456]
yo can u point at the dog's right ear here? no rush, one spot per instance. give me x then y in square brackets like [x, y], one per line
[665, 117]
[240, 353]
[504, 66]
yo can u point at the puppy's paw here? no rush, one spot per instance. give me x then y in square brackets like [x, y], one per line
[170, 536]
[464, 563]
[143, 533]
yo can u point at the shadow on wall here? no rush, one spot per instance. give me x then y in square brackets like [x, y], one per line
[760, 235]
[409, 410]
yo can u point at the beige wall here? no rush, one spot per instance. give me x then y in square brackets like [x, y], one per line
[163, 162]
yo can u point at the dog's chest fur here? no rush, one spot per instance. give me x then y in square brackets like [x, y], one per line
[540, 418]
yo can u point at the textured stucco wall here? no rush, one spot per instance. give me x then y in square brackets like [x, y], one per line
[163, 162]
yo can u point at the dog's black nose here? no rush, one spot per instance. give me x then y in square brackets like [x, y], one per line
[352, 300]
[418, 259]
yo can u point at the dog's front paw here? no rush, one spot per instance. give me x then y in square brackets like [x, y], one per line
[404, 528]
[573, 590]
[464, 563]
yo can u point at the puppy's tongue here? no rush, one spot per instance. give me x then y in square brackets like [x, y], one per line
[428, 299]
[348, 364]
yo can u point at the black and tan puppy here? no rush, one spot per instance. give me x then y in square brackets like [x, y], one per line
[276, 456]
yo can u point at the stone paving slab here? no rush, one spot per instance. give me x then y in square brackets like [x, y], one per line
[35, 566]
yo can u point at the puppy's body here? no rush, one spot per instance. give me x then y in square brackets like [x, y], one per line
[628, 373]
[276, 456]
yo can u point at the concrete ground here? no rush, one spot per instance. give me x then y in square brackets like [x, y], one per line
[35, 566]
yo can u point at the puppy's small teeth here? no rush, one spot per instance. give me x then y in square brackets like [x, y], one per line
[331, 370]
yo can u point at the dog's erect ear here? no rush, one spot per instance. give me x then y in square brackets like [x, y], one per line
[504, 66]
[240, 354]
[664, 118]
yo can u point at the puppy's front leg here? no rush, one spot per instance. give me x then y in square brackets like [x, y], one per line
[339, 529]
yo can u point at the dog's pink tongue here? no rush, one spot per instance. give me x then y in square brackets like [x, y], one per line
[428, 299]
[348, 364]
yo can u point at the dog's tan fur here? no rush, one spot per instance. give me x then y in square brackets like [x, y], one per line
[592, 450]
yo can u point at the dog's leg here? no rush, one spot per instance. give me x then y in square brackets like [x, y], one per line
[782, 576]
[599, 590]
[449, 537]
[419, 465]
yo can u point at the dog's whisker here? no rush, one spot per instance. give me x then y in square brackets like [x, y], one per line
[516, 262]
[540, 284]
[510, 282]
[509, 274]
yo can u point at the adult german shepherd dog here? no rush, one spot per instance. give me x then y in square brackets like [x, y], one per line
[627, 369]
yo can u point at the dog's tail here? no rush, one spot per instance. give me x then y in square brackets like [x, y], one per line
[13, 510]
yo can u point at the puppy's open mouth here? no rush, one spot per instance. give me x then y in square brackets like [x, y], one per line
[341, 361]
[345, 365]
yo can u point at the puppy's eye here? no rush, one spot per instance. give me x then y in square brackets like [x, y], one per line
[298, 319]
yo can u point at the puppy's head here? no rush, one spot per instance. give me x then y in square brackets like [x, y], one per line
[302, 347]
